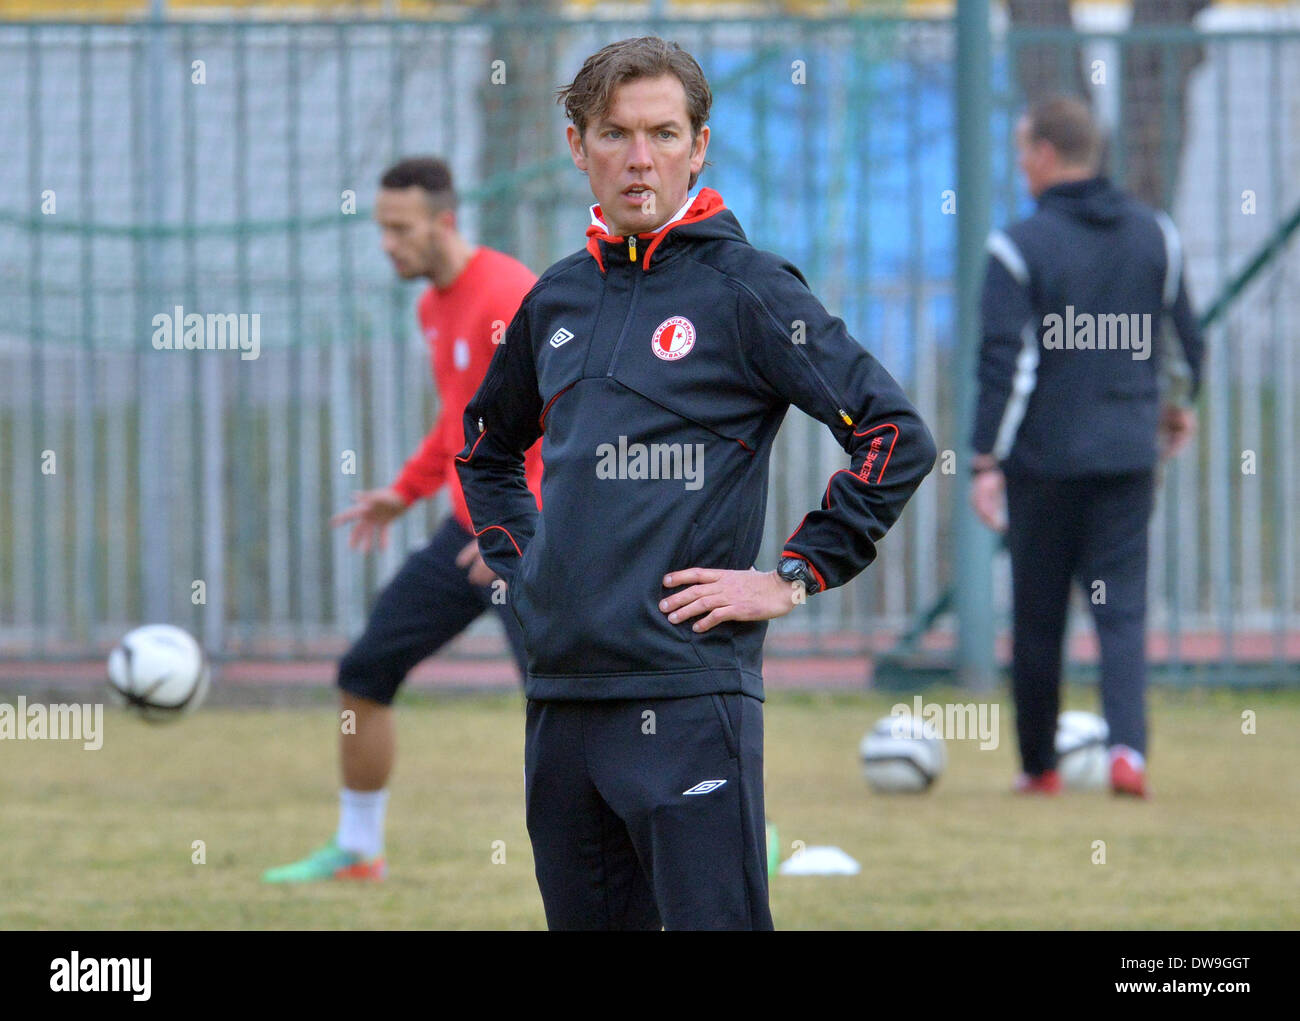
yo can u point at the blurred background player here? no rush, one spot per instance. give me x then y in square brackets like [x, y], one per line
[473, 294]
[1070, 425]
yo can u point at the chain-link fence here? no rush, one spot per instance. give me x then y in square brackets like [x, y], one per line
[227, 168]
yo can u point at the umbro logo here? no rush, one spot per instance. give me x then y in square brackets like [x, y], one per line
[704, 786]
[560, 337]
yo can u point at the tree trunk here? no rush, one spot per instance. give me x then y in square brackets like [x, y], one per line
[1046, 69]
[1154, 100]
[518, 117]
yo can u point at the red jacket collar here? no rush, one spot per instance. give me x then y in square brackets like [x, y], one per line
[706, 204]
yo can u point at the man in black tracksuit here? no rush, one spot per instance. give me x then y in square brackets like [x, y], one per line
[657, 365]
[1078, 304]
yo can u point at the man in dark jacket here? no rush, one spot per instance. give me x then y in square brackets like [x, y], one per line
[1078, 301]
[657, 365]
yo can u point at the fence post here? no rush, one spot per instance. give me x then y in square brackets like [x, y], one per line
[973, 556]
[157, 490]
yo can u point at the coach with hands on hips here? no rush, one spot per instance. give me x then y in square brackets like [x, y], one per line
[1070, 425]
[640, 604]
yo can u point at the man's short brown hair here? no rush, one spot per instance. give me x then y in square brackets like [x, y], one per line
[429, 173]
[1067, 125]
[589, 95]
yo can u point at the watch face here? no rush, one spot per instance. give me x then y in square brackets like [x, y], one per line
[789, 569]
[797, 570]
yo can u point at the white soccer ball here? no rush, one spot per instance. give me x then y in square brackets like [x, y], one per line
[902, 754]
[159, 671]
[1082, 758]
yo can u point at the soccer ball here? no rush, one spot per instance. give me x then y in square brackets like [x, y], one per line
[1081, 755]
[902, 754]
[159, 671]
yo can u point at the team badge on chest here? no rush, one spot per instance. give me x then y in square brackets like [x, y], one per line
[673, 339]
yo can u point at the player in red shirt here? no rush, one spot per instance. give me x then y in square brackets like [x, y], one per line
[440, 590]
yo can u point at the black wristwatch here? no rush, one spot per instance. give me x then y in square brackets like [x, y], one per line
[794, 569]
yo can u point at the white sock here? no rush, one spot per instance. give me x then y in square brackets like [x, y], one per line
[361, 821]
[1135, 758]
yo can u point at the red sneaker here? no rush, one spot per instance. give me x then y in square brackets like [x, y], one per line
[1048, 782]
[1126, 778]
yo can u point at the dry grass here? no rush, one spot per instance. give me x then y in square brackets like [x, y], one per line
[103, 840]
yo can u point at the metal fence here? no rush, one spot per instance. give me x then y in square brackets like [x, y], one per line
[211, 165]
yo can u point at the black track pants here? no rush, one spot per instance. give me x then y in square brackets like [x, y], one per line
[428, 603]
[648, 812]
[1090, 530]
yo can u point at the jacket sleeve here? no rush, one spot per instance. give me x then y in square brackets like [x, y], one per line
[501, 423]
[426, 471]
[1180, 369]
[1188, 327]
[1006, 313]
[800, 354]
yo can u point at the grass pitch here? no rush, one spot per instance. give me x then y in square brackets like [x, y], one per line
[106, 839]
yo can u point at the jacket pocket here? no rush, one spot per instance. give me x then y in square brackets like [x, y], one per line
[574, 627]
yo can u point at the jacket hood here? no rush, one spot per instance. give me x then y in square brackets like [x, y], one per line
[1095, 200]
[706, 218]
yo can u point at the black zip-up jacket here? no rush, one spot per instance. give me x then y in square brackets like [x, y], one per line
[1091, 266]
[693, 344]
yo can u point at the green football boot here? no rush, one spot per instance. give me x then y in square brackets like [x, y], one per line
[328, 862]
